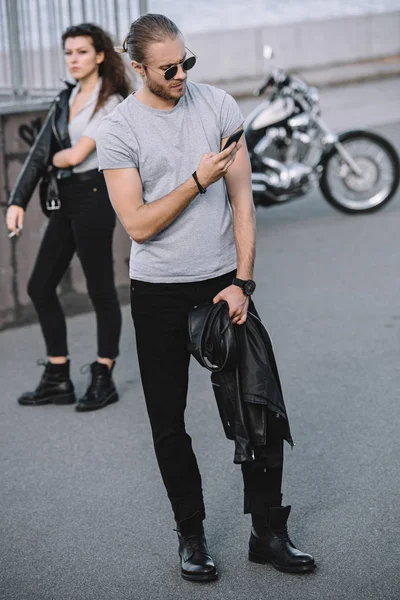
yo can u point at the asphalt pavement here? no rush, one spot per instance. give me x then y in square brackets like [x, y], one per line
[84, 514]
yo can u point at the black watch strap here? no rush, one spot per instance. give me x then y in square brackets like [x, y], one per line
[200, 187]
[247, 285]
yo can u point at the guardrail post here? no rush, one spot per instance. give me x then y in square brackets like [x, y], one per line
[17, 74]
[143, 7]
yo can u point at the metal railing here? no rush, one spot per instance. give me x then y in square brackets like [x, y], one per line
[31, 57]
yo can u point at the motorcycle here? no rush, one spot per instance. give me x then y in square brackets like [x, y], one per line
[293, 151]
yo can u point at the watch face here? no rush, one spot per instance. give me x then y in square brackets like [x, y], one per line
[249, 287]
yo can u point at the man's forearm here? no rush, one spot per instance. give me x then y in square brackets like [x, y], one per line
[238, 181]
[143, 221]
[153, 217]
[244, 225]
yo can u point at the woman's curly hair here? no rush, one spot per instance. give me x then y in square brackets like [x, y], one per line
[111, 70]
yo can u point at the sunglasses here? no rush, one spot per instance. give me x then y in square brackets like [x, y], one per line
[186, 65]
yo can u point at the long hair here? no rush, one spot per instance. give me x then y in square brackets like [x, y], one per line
[111, 70]
[146, 30]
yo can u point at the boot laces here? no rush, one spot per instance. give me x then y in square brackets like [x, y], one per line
[195, 541]
[95, 379]
[283, 535]
[85, 368]
[41, 362]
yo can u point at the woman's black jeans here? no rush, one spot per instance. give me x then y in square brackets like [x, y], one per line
[84, 224]
[160, 315]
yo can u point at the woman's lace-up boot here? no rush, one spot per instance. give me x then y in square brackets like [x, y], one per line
[101, 389]
[55, 387]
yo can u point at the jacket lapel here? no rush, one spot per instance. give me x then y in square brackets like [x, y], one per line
[61, 121]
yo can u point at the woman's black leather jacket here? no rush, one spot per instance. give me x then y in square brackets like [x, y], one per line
[244, 376]
[52, 137]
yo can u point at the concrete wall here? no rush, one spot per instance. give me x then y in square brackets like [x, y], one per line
[236, 55]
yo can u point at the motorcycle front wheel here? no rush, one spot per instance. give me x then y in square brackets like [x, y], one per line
[374, 186]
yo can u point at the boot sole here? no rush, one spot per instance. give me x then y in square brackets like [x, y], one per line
[200, 578]
[263, 560]
[62, 399]
[86, 408]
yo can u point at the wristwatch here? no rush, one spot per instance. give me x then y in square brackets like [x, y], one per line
[248, 286]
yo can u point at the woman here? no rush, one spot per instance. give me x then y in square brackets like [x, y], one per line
[82, 219]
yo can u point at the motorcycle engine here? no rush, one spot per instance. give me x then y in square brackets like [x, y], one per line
[286, 147]
[285, 160]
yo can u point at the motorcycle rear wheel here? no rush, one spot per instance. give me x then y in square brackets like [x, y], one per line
[379, 180]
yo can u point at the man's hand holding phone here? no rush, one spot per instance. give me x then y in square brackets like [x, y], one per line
[215, 165]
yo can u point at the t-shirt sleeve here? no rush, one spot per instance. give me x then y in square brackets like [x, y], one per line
[112, 151]
[94, 123]
[231, 117]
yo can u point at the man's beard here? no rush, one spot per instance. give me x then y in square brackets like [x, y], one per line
[161, 92]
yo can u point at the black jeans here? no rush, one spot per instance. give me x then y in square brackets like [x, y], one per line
[160, 316]
[84, 224]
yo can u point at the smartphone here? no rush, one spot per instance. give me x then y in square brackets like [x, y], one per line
[235, 137]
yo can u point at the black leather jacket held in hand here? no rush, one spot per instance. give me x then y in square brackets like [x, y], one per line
[52, 137]
[244, 376]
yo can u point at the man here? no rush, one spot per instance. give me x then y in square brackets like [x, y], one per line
[193, 239]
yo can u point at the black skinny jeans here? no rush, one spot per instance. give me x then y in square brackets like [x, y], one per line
[84, 224]
[160, 316]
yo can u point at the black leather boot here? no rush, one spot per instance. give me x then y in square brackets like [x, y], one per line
[270, 542]
[196, 561]
[101, 390]
[55, 387]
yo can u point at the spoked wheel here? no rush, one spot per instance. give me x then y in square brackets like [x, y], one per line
[377, 181]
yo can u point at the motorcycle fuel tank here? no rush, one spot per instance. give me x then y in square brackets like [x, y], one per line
[270, 113]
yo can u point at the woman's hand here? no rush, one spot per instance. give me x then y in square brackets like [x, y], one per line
[238, 303]
[15, 219]
[60, 160]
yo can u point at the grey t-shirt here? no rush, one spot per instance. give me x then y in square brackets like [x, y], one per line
[166, 146]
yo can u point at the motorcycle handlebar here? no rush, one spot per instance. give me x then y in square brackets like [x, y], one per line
[280, 79]
[264, 86]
